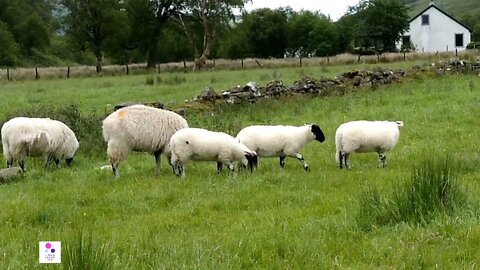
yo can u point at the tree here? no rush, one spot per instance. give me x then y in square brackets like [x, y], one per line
[311, 34]
[9, 48]
[379, 23]
[90, 22]
[472, 20]
[267, 33]
[148, 17]
[205, 16]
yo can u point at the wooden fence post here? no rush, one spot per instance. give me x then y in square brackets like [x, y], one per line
[8, 74]
[184, 66]
[68, 72]
[378, 58]
[242, 63]
[127, 69]
[404, 58]
[328, 59]
[300, 61]
[456, 52]
[258, 63]
[358, 60]
[36, 74]
[213, 63]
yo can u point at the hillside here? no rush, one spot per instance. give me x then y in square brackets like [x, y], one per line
[455, 8]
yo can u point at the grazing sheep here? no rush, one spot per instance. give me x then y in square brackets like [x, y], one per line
[52, 139]
[366, 136]
[280, 141]
[139, 128]
[203, 145]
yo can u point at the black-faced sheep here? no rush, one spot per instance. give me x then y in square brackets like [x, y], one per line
[280, 141]
[204, 145]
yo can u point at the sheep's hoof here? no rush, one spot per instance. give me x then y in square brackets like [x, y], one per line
[306, 168]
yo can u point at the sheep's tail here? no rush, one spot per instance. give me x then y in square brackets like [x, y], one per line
[399, 123]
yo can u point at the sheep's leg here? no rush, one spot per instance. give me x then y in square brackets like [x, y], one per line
[9, 162]
[21, 163]
[48, 160]
[343, 157]
[157, 155]
[282, 162]
[231, 167]
[115, 169]
[301, 159]
[57, 162]
[219, 167]
[382, 160]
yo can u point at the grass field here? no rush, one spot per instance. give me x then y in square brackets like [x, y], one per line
[266, 220]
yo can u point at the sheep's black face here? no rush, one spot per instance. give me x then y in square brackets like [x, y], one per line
[252, 161]
[318, 133]
[69, 161]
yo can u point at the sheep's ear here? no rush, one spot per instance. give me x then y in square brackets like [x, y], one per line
[399, 123]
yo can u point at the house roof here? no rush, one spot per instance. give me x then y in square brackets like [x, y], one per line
[446, 14]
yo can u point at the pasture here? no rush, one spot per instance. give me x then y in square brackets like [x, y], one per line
[271, 219]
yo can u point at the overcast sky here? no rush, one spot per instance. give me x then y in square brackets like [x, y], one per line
[334, 8]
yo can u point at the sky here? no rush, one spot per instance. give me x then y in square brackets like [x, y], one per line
[334, 8]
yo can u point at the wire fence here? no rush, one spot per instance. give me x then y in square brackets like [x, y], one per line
[78, 71]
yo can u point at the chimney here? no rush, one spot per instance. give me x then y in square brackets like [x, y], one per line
[432, 2]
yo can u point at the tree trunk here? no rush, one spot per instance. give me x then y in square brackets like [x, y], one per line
[152, 54]
[99, 56]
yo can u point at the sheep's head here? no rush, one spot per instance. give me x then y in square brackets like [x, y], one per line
[318, 133]
[252, 160]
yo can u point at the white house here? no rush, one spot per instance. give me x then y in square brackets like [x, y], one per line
[433, 30]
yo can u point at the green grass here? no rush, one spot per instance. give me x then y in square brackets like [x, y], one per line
[453, 7]
[268, 219]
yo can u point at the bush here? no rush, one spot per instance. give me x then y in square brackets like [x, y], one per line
[430, 191]
[87, 128]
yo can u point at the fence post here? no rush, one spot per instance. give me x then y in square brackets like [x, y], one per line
[184, 66]
[8, 74]
[404, 58]
[378, 58]
[447, 48]
[127, 69]
[258, 63]
[36, 74]
[328, 59]
[242, 63]
[300, 61]
[456, 52]
[68, 72]
[358, 60]
[213, 63]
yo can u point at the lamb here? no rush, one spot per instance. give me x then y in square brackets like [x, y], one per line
[52, 139]
[203, 145]
[139, 128]
[366, 136]
[280, 141]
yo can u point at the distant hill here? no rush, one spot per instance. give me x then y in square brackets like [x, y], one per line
[455, 8]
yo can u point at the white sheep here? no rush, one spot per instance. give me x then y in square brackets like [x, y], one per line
[203, 145]
[280, 141]
[51, 139]
[139, 128]
[366, 136]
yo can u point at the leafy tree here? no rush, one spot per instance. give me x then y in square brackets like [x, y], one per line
[89, 22]
[472, 20]
[9, 48]
[267, 33]
[148, 18]
[201, 19]
[380, 23]
[311, 34]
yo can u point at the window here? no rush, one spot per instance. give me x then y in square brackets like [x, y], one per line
[425, 19]
[458, 40]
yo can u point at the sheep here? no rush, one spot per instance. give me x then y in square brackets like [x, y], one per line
[203, 145]
[139, 128]
[280, 141]
[366, 136]
[52, 139]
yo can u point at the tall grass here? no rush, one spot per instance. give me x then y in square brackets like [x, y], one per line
[82, 252]
[430, 191]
